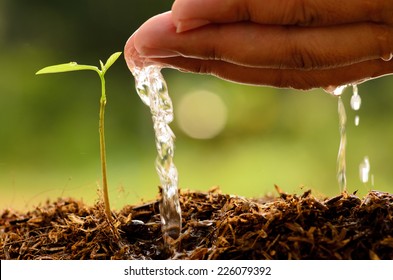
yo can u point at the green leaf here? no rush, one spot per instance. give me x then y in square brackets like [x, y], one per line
[112, 59]
[102, 66]
[66, 67]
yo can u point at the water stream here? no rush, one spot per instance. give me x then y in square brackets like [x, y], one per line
[364, 167]
[152, 89]
[341, 157]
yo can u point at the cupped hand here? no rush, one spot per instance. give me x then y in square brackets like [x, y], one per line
[300, 44]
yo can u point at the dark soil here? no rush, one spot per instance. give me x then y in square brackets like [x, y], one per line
[215, 226]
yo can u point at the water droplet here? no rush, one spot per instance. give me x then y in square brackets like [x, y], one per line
[387, 57]
[356, 101]
[364, 170]
[357, 120]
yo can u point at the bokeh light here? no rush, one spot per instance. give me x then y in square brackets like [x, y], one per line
[201, 114]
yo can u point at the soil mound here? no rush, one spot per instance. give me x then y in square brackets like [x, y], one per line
[215, 226]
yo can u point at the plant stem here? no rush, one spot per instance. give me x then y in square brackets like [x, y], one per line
[73, 66]
[103, 150]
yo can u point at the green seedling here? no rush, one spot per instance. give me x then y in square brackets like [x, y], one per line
[73, 66]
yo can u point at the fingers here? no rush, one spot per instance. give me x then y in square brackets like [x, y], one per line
[283, 78]
[267, 46]
[261, 54]
[189, 14]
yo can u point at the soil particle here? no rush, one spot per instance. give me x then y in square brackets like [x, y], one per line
[215, 226]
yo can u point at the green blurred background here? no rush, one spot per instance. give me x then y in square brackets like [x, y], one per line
[255, 136]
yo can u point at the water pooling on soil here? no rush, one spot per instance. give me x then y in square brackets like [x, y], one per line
[153, 91]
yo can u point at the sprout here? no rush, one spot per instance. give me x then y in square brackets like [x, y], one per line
[73, 66]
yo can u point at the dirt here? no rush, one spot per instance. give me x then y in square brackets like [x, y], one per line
[215, 226]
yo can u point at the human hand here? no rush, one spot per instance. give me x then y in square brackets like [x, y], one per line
[301, 44]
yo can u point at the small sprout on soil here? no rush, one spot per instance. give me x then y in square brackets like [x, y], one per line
[73, 66]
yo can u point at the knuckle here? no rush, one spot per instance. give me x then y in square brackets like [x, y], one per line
[245, 12]
[379, 10]
[214, 50]
[306, 13]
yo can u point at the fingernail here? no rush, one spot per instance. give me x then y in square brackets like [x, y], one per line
[185, 25]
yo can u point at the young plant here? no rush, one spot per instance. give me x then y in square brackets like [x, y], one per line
[73, 66]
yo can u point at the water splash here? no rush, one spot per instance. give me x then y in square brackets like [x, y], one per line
[152, 89]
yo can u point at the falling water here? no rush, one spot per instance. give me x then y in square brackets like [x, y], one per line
[342, 120]
[364, 170]
[152, 89]
[364, 167]
[341, 162]
[356, 101]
